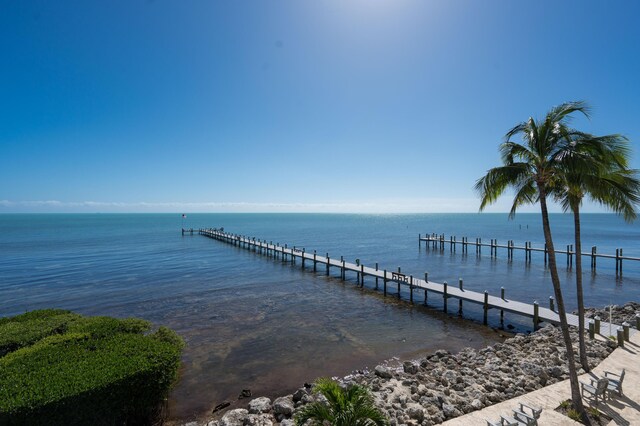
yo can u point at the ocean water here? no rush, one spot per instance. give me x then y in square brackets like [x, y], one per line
[256, 323]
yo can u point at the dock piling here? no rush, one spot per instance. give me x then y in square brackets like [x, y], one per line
[444, 296]
[460, 300]
[486, 307]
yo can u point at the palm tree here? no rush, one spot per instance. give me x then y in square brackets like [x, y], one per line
[352, 406]
[596, 167]
[533, 170]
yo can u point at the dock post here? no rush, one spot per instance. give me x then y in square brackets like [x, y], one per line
[593, 257]
[568, 251]
[385, 282]
[486, 306]
[596, 322]
[328, 261]
[625, 330]
[620, 337]
[285, 258]
[342, 267]
[398, 283]
[551, 303]
[303, 251]
[460, 300]
[376, 276]
[621, 256]
[454, 244]
[315, 261]
[536, 316]
[426, 281]
[361, 275]
[411, 289]
[571, 257]
[444, 296]
[592, 330]
[419, 243]
[502, 310]
[545, 254]
[479, 245]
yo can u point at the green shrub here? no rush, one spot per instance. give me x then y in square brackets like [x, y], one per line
[97, 371]
[26, 329]
[594, 412]
[574, 415]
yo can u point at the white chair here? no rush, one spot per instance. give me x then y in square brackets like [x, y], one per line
[615, 382]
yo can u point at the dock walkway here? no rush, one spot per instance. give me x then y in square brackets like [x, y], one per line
[440, 241]
[446, 291]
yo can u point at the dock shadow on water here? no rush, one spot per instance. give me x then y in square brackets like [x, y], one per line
[272, 337]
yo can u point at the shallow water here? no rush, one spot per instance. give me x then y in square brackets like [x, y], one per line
[255, 322]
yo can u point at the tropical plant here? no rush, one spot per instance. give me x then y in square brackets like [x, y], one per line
[533, 169]
[351, 406]
[597, 168]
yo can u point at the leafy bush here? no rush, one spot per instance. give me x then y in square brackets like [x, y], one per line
[574, 415]
[88, 370]
[26, 329]
[353, 405]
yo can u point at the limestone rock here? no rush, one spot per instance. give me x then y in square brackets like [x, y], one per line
[234, 417]
[259, 405]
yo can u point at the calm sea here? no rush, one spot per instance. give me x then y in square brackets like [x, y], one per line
[256, 323]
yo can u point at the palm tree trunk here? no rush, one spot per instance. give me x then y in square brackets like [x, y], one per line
[576, 399]
[580, 296]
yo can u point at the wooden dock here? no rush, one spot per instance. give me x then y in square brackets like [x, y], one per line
[439, 241]
[417, 287]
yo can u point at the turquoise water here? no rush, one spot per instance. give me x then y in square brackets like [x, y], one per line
[253, 322]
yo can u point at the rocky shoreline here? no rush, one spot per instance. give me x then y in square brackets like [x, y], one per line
[620, 314]
[442, 385]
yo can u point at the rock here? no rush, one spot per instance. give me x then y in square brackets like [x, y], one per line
[245, 393]
[383, 372]
[415, 411]
[299, 394]
[221, 406]
[287, 422]
[476, 404]
[258, 420]
[259, 405]
[283, 406]
[191, 424]
[234, 417]
[213, 423]
[450, 411]
[409, 367]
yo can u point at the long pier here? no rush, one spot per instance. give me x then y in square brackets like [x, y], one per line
[439, 241]
[396, 278]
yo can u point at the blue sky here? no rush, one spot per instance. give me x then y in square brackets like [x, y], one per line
[362, 105]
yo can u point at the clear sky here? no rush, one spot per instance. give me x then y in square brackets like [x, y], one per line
[345, 105]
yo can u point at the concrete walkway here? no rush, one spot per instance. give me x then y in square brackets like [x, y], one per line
[623, 410]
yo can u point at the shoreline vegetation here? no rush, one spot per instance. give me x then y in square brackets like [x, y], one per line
[442, 385]
[61, 368]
